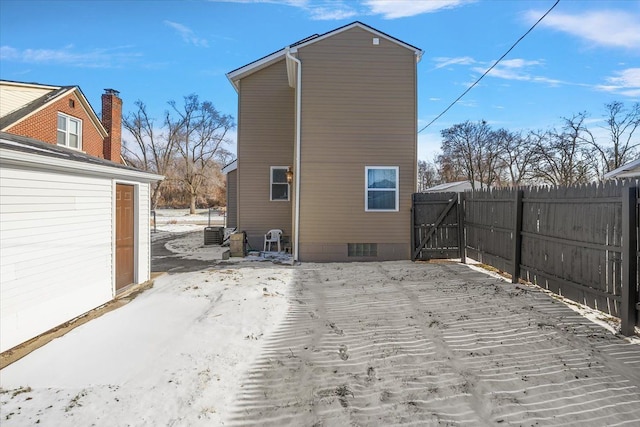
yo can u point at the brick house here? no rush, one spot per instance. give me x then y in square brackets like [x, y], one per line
[62, 115]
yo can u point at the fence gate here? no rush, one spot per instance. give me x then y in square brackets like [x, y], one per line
[435, 230]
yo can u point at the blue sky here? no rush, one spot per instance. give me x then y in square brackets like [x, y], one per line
[581, 56]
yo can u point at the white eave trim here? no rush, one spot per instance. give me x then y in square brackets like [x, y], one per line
[235, 76]
[19, 158]
[230, 167]
[629, 170]
[28, 85]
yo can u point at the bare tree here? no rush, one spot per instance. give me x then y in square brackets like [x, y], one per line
[427, 175]
[561, 155]
[622, 125]
[517, 156]
[472, 149]
[201, 130]
[152, 151]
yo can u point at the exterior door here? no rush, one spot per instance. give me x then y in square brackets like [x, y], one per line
[124, 235]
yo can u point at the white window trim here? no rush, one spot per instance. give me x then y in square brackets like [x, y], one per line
[367, 189]
[69, 118]
[279, 183]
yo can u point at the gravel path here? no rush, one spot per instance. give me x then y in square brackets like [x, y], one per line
[435, 344]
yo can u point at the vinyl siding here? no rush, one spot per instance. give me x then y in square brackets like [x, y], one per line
[143, 232]
[265, 138]
[358, 110]
[16, 96]
[56, 241]
[56, 250]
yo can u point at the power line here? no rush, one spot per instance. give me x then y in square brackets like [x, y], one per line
[491, 68]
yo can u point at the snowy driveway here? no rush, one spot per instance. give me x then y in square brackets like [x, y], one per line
[330, 344]
[400, 343]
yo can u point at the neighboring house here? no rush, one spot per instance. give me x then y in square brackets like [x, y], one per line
[74, 227]
[62, 115]
[231, 171]
[74, 231]
[454, 187]
[327, 145]
[628, 170]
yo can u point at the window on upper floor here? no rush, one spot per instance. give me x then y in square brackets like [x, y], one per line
[279, 184]
[69, 131]
[381, 192]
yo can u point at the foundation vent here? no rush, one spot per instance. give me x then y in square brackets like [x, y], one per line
[362, 249]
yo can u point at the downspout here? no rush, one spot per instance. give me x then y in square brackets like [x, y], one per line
[296, 220]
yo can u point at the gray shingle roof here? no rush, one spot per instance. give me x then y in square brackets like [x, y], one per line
[23, 144]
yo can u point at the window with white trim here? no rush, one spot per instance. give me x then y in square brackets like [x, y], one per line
[69, 131]
[381, 188]
[279, 184]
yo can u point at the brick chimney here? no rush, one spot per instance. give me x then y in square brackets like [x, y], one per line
[112, 121]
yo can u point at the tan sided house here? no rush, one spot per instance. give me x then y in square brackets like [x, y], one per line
[327, 145]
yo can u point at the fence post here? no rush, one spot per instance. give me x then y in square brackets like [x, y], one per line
[462, 243]
[413, 226]
[517, 237]
[629, 261]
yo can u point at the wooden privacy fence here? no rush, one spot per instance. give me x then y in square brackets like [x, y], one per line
[579, 242]
[434, 226]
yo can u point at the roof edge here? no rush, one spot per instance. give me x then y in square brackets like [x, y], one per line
[230, 167]
[622, 171]
[364, 26]
[18, 150]
[31, 85]
[235, 75]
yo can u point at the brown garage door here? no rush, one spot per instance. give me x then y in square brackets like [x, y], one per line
[124, 235]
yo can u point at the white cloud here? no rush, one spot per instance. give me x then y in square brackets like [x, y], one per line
[332, 14]
[320, 10]
[610, 28]
[96, 58]
[343, 9]
[8, 53]
[187, 34]
[295, 3]
[625, 82]
[518, 63]
[519, 69]
[442, 62]
[392, 9]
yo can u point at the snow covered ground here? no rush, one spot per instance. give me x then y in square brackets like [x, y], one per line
[172, 356]
[182, 216]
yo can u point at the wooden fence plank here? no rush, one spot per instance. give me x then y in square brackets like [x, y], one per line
[517, 237]
[433, 229]
[629, 261]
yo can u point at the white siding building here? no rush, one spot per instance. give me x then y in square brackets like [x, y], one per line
[61, 250]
